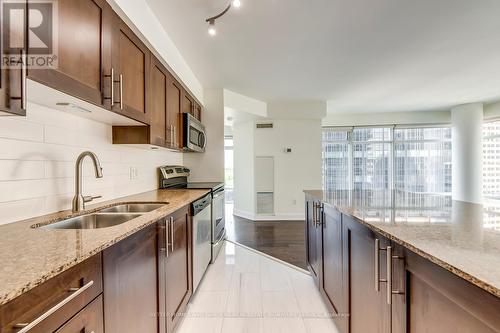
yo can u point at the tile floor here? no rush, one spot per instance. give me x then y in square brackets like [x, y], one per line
[244, 291]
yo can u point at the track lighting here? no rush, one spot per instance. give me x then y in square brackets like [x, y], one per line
[211, 20]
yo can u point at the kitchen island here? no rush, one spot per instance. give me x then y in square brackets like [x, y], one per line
[397, 261]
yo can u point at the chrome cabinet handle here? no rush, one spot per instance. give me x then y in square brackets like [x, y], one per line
[171, 135]
[112, 88]
[377, 265]
[390, 259]
[314, 214]
[24, 77]
[25, 327]
[172, 234]
[121, 91]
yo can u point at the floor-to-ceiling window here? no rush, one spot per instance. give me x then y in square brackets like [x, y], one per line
[491, 160]
[371, 159]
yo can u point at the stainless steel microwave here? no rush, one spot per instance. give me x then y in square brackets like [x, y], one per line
[194, 136]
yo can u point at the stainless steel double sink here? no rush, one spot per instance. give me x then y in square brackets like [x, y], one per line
[106, 217]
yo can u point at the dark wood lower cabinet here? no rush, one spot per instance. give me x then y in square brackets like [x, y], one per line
[333, 282]
[130, 284]
[356, 265]
[439, 301]
[313, 236]
[178, 267]
[368, 308]
[89, 320]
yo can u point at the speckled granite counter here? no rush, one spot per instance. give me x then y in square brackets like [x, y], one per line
[461, 237]
[29, 257]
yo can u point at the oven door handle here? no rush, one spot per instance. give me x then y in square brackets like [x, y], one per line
[222, 237]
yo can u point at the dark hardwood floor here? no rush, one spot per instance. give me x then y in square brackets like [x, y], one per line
[284, 240]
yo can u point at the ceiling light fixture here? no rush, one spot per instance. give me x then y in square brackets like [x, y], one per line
[211, 20]
[211, 28]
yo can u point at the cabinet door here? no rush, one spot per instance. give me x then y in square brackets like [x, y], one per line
[130, 284]
[197, 111]
[439, 301]
[187, 104]
[332, 282]
[178, 267]
[369, 310]
[174, 113]
[313, 234]
[84, 51]
[159, 131]
[130, 61]
[12, 77]
[90, 319]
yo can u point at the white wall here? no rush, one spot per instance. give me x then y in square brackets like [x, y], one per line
[209, 166]
[244, 162]
[295, 171]
[142, 17]
[387, 118]
[37, 158]
[245, 104]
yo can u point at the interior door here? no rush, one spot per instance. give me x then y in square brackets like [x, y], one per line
[84, 51]
[178, 266]
[368, 307]
[131, 63]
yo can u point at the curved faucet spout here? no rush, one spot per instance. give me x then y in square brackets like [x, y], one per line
[79, 200]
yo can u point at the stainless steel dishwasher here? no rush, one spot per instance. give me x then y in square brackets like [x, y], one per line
[201, 212]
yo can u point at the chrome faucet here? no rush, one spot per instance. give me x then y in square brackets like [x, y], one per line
[79, 200]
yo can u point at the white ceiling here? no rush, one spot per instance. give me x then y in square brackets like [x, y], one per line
[359, 55]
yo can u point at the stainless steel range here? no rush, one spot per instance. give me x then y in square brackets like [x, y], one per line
[177, 177]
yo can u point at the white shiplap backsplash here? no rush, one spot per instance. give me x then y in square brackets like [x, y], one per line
[37, 159]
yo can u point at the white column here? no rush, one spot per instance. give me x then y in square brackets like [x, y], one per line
[467, 153]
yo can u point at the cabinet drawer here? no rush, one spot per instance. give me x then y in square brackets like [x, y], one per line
[89, 320]
[54, 302]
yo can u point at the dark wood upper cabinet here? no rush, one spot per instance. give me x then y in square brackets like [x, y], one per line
[313, 235]
[197, 111]
[368, 307]
[187, 103]
[12, 76]
[174, 112]
[130, 284]
[160, 135]
[84, 51]
[178, 266]
[131, 67]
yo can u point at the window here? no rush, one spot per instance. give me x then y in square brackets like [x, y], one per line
[491, 160]
[422, 160]
[336, 160]
[372, 159]
[228, 168]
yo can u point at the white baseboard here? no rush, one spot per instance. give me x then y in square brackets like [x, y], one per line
[279, 217]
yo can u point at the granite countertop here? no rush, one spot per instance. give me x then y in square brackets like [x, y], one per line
[463, 238]
[30, 256]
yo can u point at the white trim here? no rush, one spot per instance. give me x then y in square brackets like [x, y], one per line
[269, 257]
